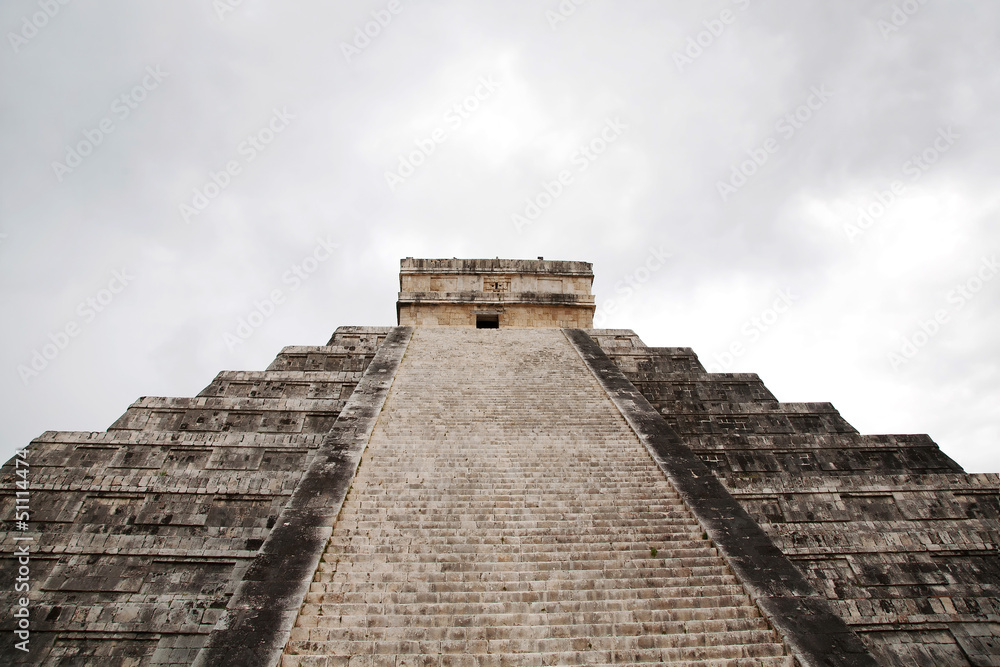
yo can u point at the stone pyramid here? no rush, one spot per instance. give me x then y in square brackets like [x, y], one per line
[494, 482]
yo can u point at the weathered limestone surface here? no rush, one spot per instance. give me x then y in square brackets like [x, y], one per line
[891, 530]
[521, 293]
[505, 514]
[510, 314]
[143, 533]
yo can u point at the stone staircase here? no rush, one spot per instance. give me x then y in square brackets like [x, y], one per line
[505, 514]
[889, 528]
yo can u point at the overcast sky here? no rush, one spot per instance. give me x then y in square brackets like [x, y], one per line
[171, 167]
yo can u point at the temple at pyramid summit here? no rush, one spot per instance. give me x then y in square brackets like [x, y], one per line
[493, 482]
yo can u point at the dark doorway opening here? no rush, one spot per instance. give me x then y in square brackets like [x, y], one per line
[487, 321]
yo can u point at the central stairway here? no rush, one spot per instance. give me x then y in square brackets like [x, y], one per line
[504, 513]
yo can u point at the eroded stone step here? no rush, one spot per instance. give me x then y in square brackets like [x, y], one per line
[606, 623]
[596, 659]
[532, 601]
[556, 651]
[601, 636]
[504, 513]
[620, 610]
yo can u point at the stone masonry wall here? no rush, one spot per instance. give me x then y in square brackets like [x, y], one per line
[891, 530]
[525, 293]
[511, 315]
[142, 533]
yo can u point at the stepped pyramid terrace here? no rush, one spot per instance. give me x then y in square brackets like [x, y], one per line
[491, 483]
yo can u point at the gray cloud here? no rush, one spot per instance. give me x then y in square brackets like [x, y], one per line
[655, 187]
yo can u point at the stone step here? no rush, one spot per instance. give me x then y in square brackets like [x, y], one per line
[601, 636]
[629, 477]
[509, 574]
[612, 623]
[211, 403]
[573, 546]
[505, 513]
[282, 384]
[322, 358]
[425, 506]
[426, 498]
[620, 610]
[430, 502]
[524, 493]
[513, 561]
[709, 575]
[166, 438]
[490, 559]
[585, 594]
[436, 493]
[355, 337]
[457, 587]
[520, 581]
[596, 659]
[556, 651]
[544, 529]
[513, 518]
[275, 415]
[532, 487]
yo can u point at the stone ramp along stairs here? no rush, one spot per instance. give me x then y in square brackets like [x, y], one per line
[504, 513]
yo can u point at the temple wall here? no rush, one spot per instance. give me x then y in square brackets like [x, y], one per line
[516, 315]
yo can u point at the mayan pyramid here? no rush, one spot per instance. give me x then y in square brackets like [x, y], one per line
[494, 482]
